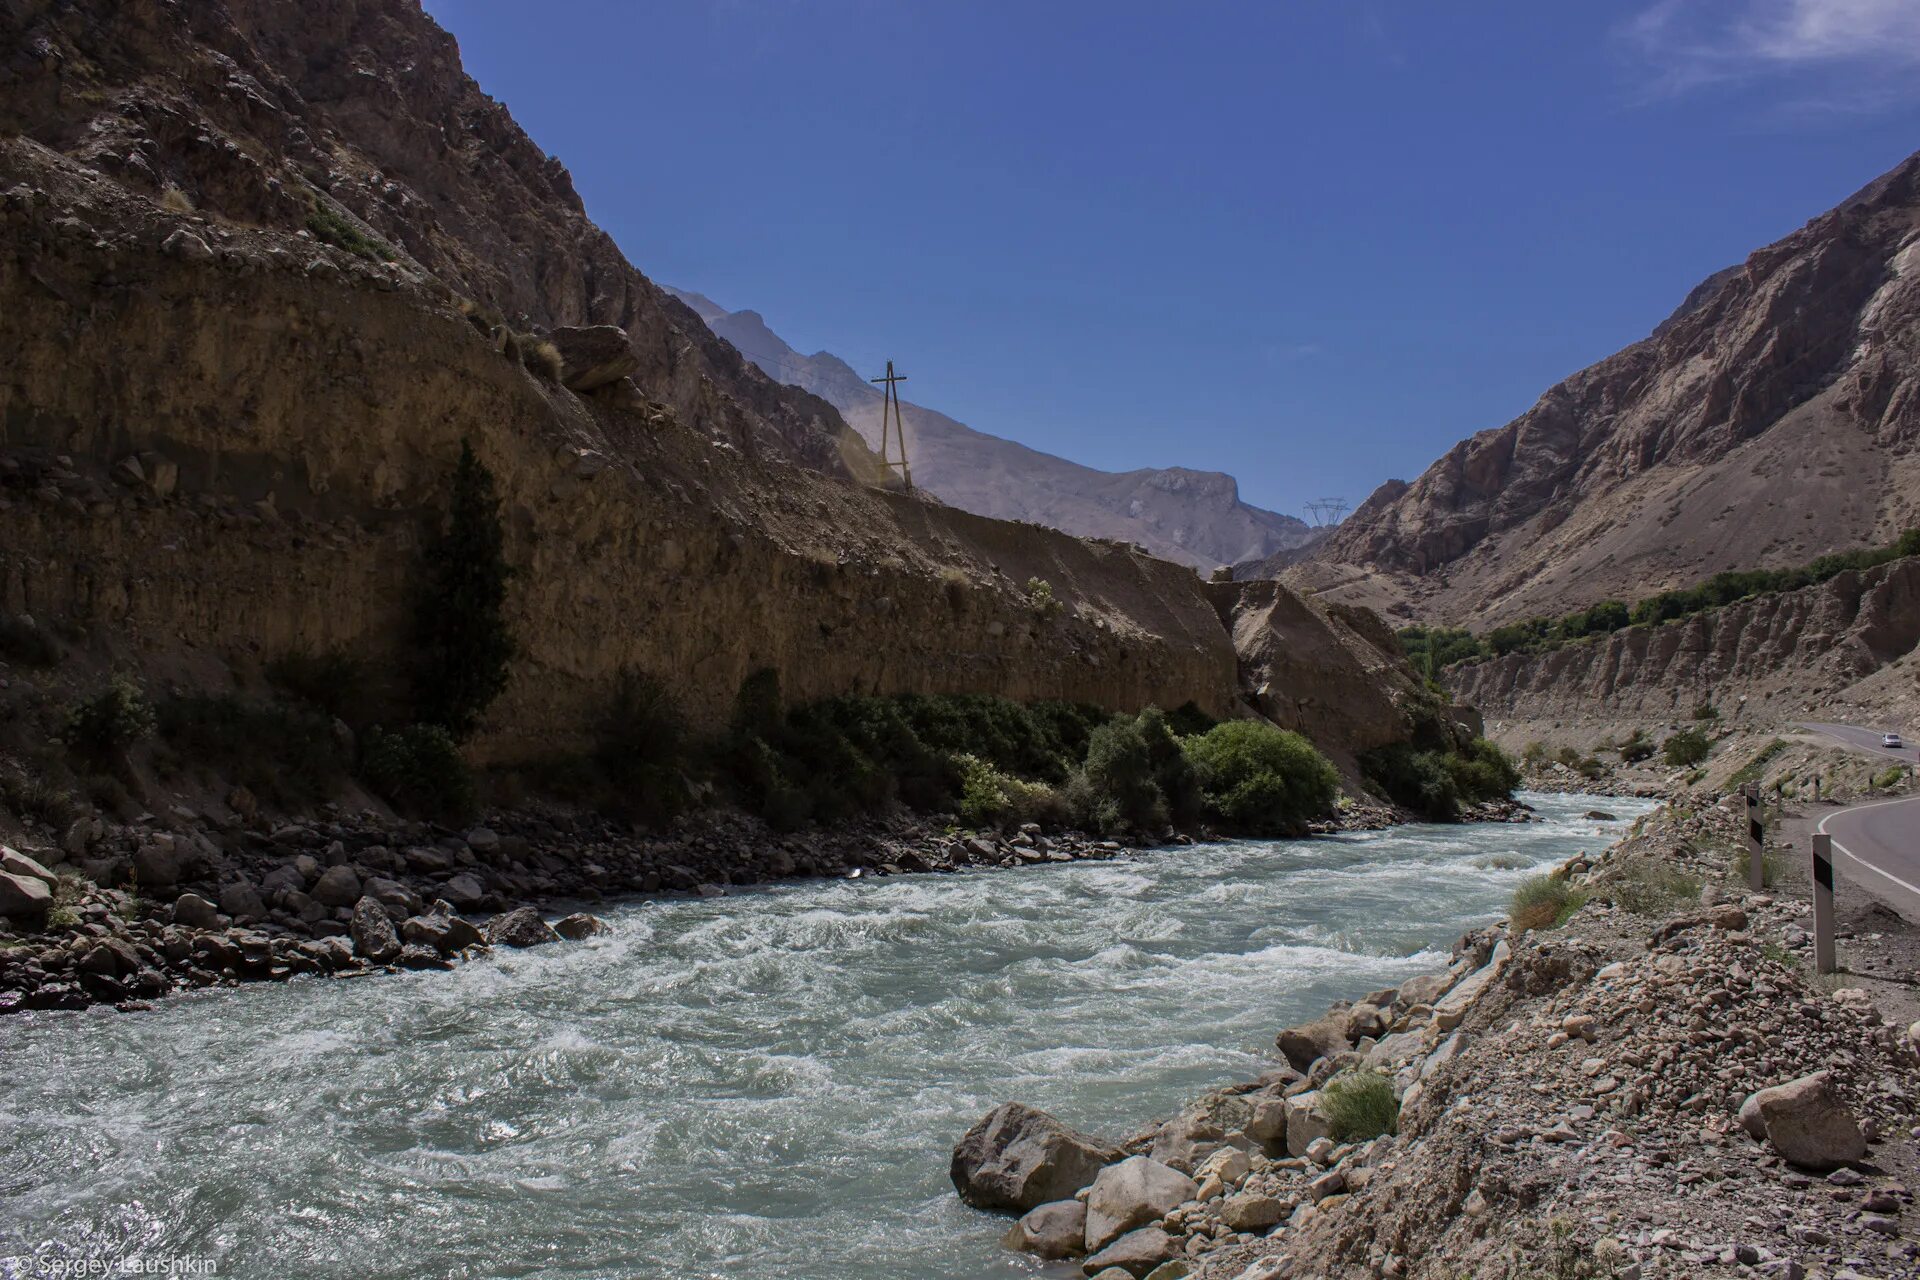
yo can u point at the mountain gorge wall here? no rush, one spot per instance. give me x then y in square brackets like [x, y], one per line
[1850, 641]
[263, 270]
[1773, 418]
[357, 114]
[306, 415]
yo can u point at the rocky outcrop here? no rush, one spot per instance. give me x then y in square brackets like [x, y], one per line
[1774, 418]
[1335, 674]
[314, 420]
[354, 126]
[1836, 641]
[1193, 517]
[1020, 1158]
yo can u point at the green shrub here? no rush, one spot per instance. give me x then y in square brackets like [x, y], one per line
[22, 641]
[1889, 778]
[1535, 754]
[329, 226]
[1360, 1105]
[1636, 748]
[419, 768]
[1119, 776]
[1173, 770]
[1543, 902]
[1706, 711]
[111, 720]
[1188, 719]
[34, 797]
[1430, 649]
[1041, 600]
[463, 646]
[1482, 772]
[1685, 748]
[990, 798]
[287, 755]
[1568, 757]
[1260, 780]
[642, 750]
[1773, 867]
[333, 682]
[1416, 780]
[1648, 888]
[1753, 769]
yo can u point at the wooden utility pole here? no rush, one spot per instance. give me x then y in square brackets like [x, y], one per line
[890, 412]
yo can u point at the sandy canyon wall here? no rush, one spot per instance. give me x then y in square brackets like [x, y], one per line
[302, 410]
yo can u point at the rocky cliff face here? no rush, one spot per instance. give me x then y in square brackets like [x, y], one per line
[223, 431]
[1194, 517]
[1847, 642]
[355, 120]
[1773, 418]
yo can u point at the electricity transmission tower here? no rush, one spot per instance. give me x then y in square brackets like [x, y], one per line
[890, 412]
[1326, 511]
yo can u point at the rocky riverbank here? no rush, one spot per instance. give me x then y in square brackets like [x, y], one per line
[120, 914]
[1657, 1087]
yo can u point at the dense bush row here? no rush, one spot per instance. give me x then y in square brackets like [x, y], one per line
[999, 763]
[1432, 648]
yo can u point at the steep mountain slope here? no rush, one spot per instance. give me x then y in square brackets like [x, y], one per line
[1845, 649]
[1773, 418]
[354, 121]
[240, 251]
[1194, 517]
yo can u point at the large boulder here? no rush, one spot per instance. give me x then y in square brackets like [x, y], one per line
[464, 891]
[1425, 989]
[1305, 1122]
[1018, 1158]
[1136, 1253]
[1322, 1038]
[520, 927]
[242, 901]
[593, 355]
[1805, 1123]
[580, 926]
[195, 912]
[24, 898]
[336, 887]
[374, 936]
[1137, 1191]
[1057, 1230]
[156, 863]
[16, 863]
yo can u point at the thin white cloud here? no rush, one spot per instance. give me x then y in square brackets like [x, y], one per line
[1848, 52]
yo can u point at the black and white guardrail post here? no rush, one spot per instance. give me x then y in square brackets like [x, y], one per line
[1756, 840]
[1823, 904]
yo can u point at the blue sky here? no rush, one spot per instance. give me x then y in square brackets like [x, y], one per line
[1309, 242]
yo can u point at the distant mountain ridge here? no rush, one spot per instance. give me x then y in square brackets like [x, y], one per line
[1193, 517]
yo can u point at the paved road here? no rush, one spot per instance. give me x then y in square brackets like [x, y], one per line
[1877, 846]
[1864, 740]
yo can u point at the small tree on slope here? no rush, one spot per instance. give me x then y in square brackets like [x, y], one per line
[460, 627]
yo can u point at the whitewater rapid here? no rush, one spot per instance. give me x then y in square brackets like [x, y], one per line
[763, 1086]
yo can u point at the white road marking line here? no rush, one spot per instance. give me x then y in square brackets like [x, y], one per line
[1822, 830]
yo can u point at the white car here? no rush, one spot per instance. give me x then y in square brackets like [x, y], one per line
[1892, 740]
